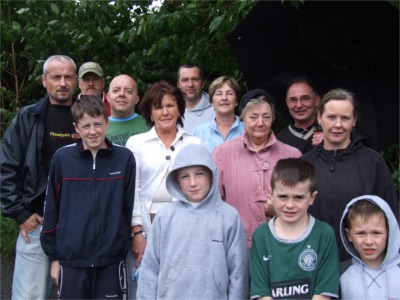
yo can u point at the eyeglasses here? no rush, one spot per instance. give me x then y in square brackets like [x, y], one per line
[303, 99]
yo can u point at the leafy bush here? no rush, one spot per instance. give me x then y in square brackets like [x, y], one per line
[391, 154]
[8, 236]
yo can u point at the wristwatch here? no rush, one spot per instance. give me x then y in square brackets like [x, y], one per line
[133, 234]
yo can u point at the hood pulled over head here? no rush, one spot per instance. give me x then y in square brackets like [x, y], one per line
[393, 244]
[188, 156]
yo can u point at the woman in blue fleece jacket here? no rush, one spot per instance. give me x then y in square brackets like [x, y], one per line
[197, 247]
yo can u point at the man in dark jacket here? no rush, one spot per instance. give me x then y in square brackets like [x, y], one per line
[302, 101]
[29, 143]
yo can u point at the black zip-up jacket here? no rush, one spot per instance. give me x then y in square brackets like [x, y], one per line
[23, 174]
[88, 208]
[345, 174]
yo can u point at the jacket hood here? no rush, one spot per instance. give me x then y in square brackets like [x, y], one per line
[203, 104]
[192, 155]
[393, 245]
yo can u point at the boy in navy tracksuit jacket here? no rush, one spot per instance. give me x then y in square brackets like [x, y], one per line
[88, 209]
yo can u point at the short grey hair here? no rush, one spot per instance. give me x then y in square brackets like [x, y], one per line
[58, 58]
[258, 100]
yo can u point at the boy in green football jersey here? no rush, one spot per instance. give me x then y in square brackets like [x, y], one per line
[294, 255]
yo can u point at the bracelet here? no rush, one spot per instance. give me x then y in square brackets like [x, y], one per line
[133, 234]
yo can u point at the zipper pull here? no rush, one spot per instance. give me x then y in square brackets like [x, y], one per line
[94, 164]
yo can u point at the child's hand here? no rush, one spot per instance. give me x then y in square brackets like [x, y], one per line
[55, 271]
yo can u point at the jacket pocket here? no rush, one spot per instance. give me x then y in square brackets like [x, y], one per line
[191, 282]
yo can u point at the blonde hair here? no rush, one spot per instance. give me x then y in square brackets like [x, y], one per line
[219, 82]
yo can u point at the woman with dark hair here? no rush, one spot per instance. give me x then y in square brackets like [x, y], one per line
[345, 167]
[162, 107]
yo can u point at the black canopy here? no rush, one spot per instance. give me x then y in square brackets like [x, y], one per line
[346, 44]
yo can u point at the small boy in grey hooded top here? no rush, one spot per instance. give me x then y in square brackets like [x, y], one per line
[195, 250]
[359, 280]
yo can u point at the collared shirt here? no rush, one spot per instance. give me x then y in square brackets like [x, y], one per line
[212, 137]
[297, 137]
[245, 176]
[153, 160]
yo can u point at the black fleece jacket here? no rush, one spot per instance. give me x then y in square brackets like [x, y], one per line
[345, 174]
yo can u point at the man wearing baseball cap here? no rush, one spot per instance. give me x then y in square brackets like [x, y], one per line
[91, 82]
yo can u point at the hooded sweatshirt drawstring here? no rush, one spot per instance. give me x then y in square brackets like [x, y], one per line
[366, 286]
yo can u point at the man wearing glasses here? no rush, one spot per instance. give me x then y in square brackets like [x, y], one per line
[302, 101]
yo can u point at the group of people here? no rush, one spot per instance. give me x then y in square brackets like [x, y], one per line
[195, 196]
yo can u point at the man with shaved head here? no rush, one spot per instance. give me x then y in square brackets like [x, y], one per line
[124, 121]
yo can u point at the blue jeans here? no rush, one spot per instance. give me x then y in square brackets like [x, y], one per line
[32, 269]
[130, 265]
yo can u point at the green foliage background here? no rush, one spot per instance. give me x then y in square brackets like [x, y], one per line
[124, 37]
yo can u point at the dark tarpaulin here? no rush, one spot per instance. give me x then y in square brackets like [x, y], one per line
[346, 44]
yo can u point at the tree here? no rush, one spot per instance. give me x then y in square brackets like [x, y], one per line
[122, 36]
[191, 31]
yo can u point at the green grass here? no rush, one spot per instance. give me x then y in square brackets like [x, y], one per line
[8, 236]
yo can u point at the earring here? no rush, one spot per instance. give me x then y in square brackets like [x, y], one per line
[353, 129]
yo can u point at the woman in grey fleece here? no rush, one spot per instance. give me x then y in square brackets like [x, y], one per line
[195, 250]
[374, 273]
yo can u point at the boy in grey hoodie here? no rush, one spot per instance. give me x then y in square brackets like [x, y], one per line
[370, 233]
[197, 246]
